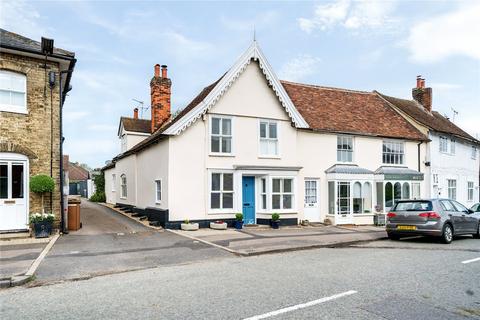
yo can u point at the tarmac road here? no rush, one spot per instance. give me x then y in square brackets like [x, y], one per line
[409, 279]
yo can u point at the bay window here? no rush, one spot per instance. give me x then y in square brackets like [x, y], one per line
[13, 87]
[221, 135]
[221, 191]
[263, 193]
[282, 193]
[268, 138]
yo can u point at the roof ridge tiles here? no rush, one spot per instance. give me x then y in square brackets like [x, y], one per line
[314, 86]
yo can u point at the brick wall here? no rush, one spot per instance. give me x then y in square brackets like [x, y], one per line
[30, 133]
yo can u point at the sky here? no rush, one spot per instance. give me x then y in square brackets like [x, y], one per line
[361, 45]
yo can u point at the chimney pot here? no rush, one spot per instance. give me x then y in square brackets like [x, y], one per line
[135, 113]
[419, 80]
[164, 71]
[157, 70]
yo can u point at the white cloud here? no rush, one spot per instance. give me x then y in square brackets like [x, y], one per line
[352, 15]
[300, 67]
[455, 33]
[20, 17]
[71, 116]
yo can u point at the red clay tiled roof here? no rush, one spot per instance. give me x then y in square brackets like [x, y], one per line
[349, 111]
[433, 120]
[136, 125]
[77, 173]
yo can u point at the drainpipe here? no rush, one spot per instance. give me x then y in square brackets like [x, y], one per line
[62, 203]
[418, 150]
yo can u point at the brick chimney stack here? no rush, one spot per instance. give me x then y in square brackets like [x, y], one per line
[160, 91]
[423, 95]
[135, 113]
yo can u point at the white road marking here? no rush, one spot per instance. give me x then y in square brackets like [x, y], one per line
[42, 255]
[302, 305]
[471, 260]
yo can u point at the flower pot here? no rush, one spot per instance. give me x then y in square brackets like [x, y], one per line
[42, 229]
[238, 224]
[218, 226]
[275, 224]
[189, 226]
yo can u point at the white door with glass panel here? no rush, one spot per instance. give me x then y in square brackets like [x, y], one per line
[344, 213]
[312, 207]
[13, 195]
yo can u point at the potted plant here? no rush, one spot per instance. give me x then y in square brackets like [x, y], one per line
[379, 219]
[275, 222]
[238, 221]
[42, 184]
[218, 225]
[42, 224]
[189, 226]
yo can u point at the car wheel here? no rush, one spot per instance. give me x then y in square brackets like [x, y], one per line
[447, 235]
[392, 236]
[477, 235]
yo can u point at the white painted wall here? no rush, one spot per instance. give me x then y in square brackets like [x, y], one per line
[459, 166]
[110, 186]
[128, 167]
[152, 164]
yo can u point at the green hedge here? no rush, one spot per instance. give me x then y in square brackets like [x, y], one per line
[98, 196]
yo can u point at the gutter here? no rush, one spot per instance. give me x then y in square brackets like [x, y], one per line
[418, 151]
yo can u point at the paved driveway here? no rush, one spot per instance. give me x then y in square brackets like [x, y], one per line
[110, 243]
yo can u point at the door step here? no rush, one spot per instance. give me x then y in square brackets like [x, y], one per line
[14, 235]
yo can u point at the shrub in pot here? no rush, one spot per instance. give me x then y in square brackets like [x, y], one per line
[275, 222]
[42, 184]
[238, 221]
[189, 226]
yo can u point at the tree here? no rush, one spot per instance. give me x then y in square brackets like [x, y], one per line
[99, 181]
[42, 184]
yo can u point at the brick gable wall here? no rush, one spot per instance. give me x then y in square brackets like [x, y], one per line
[30, 134]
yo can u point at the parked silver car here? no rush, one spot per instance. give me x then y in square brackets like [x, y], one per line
[443, 218]
[475, 207]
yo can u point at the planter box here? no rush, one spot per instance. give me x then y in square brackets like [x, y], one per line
[275, 224]
[218, 226]
[189, 226]
[238, 224]
[379, 219]
[42, 229]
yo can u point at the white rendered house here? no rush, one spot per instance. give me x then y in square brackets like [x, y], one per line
[251, 143]
[452, 163]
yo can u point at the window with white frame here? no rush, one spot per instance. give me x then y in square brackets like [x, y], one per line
[13, 87]
[393, 152]
[263, 193]
[443, 144]
[268, 138]
[435, 178]
[474, 152]
[221, 191]
[282, 193]
[452, 146]
[470, 190]
[158, 191]
[452, 189]
[415, 190]
[311, 192]
[221, 135]
[123, 185]
[344, 149]
[113, 182]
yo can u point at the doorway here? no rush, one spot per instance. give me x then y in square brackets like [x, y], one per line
[13, 192]
[312, 207]
[248, 199]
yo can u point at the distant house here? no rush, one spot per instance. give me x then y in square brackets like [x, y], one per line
[251, 143]
[30, 125]
[80, 181]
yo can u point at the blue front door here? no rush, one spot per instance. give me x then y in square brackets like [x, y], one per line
[248, 188]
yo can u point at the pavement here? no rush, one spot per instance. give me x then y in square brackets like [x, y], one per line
[401, 280]
[254, 241]
[110, 242]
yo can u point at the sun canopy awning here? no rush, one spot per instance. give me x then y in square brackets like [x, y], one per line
[398, 173]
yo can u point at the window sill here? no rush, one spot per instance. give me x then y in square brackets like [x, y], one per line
[158, 203]
[213, 154]
[12, 109]
[123, 198]
[363, 214]
[268, 157]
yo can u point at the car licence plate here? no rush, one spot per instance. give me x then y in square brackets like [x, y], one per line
[406, 228]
